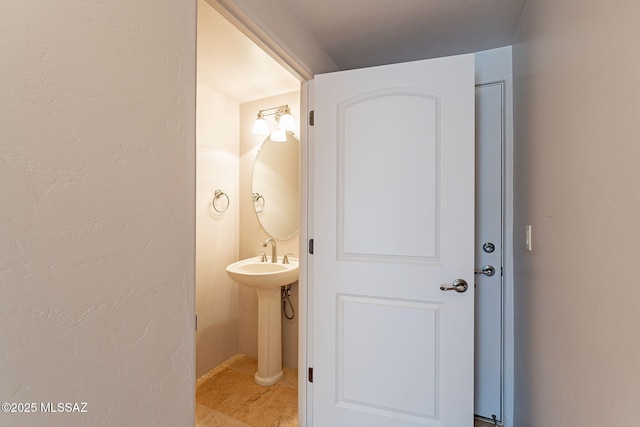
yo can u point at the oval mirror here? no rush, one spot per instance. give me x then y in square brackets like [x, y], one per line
[275, 187]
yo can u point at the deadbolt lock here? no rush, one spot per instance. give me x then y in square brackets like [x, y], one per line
[488, 247]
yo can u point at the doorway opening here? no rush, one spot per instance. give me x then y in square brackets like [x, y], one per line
[235, 80]
[488, 249]
[493, 394]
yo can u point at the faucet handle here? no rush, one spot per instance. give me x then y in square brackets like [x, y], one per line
[285, 260]
[263, 256]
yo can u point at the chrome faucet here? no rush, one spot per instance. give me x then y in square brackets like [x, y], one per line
[274, 251]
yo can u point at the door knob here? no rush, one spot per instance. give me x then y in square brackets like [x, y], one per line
[487, 270]
[458, 285]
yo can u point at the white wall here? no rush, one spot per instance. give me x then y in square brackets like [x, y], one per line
[577, 101]
[217, 238]
[96, 222]
[252, 235]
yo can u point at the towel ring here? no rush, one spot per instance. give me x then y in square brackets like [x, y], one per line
[216, 195]
[257, 197]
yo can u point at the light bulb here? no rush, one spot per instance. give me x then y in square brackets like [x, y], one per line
[287, 122]
[260, 126]
[279, 136]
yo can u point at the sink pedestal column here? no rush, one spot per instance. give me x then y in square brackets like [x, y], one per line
[269, 337]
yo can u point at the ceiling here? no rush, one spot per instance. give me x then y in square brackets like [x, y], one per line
[362, 33]
[233, 65]
[355, 34]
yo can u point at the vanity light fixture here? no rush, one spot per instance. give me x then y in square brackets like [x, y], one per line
[285, 120]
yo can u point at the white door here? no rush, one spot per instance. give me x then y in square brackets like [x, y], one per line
[392, 221]
[488, 250]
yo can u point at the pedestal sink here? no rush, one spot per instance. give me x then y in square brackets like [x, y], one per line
[266, 278]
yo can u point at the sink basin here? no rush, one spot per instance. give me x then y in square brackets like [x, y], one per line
[256, 274]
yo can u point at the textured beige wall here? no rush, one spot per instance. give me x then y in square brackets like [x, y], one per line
[252, 234]
[577, 106]
[97, 167]
[217, 233]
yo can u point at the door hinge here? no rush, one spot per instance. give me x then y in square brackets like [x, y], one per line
[311, 118]
[310, 376]
[311, 246]
[196, 322]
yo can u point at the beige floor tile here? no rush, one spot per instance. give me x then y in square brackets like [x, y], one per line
[208, 375]
[242, 363]
[289, 417]
[226, 390]
[217, 419]
[290, 378]
[229, 390]
[268, 408]
[202, 411]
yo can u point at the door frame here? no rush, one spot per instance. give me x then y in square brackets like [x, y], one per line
[495, 66]
[491, 66]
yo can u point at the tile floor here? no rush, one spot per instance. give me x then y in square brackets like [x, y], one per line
[227, 396]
